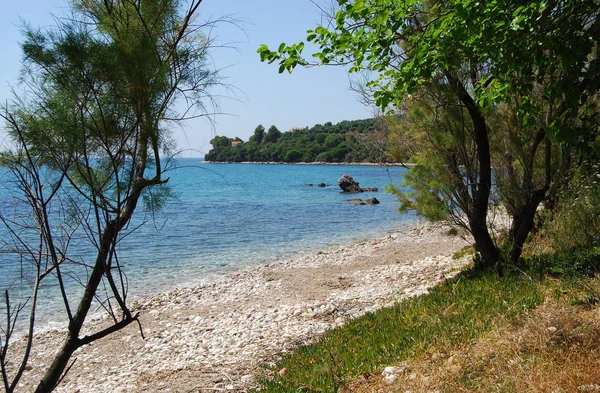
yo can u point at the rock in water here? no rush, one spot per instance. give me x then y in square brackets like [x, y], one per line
[372, 201]
[357, 201]
[348, 184]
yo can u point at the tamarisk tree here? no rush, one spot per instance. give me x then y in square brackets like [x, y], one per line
[101, 89]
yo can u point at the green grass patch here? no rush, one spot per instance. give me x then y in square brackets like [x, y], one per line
[574, 262]
[458, 311]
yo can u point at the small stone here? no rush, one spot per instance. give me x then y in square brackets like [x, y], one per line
[28, 367]
[283, 372]
[352, 311]
[390, 379]
[552, 329]
[389, 370]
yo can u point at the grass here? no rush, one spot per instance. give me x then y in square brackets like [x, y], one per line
[477, 332]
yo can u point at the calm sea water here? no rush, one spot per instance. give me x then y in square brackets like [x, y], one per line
[227, 216]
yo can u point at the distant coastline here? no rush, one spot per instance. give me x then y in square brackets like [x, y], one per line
[313, 163]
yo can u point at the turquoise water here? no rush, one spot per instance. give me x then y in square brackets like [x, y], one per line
[227, 216]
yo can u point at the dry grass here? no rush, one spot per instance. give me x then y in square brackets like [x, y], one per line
[554, 348]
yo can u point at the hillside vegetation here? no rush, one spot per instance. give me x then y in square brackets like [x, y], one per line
[347, 141]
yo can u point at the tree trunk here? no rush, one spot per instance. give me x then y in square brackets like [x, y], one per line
[522, 223]
[60, 363]
[485, 246]
[481, 192]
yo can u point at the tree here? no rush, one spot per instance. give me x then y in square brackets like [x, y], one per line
[259, 134]
[395, 39]
[103, 85]
[272, 135]
[483, 54]
[293, 156]
[221, 141]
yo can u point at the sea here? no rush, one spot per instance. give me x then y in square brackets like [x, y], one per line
[225, 217]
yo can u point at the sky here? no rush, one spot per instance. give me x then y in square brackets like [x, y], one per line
[258, 94]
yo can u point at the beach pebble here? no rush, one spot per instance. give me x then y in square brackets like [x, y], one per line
[390, 379]
[389, 371]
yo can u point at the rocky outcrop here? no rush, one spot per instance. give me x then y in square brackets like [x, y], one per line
[348, 184]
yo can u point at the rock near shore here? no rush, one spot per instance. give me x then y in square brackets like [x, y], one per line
[348, 184]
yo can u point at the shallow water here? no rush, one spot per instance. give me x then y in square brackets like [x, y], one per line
[226, 216]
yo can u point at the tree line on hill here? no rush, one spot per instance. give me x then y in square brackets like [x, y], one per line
[346, 141]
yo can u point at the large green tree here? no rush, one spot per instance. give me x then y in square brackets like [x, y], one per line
[259, 134]
[102, 87]
[480, 55]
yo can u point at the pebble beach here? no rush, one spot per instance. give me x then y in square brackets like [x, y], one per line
[216, 336]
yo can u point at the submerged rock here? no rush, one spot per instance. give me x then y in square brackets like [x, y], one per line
[372, 201]
[356, 201]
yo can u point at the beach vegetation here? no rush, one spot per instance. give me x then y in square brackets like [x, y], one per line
[477, 331]
[91, 145]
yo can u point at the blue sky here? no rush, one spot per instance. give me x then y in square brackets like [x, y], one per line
[259, 96]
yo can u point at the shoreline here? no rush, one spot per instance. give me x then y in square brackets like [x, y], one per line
[215, 336]
[382, 164]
